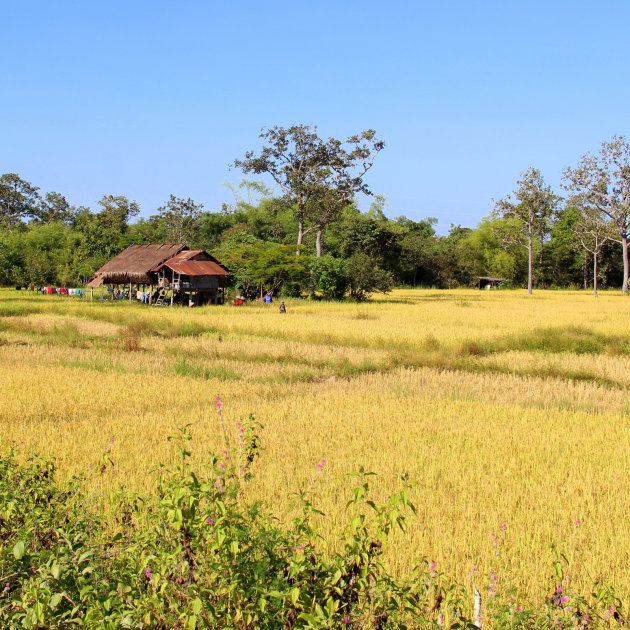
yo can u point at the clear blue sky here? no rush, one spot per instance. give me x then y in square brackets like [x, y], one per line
[145, 99]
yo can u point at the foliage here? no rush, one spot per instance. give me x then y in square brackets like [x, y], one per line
[367, 277]
[180, 220]
[18, 200]
[331, 276]
[262, 267]
[53, 207]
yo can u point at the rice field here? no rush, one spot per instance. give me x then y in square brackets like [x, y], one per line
[511, 412]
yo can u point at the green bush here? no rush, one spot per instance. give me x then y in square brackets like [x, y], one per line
[330, 276]
[366, 277]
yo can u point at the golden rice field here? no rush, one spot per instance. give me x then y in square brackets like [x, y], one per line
[501, 406]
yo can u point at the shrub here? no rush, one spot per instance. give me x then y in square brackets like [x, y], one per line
[367, 277]
[331, 276]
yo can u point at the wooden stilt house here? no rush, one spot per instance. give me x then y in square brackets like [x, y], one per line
[488, 282]
[168, 272]
[193, 273]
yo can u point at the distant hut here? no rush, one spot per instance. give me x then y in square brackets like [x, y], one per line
[488, 282]
[189, 275]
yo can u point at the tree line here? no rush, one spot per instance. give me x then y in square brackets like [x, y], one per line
[312, 237]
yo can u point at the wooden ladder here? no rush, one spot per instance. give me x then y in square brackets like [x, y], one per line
[160, 300]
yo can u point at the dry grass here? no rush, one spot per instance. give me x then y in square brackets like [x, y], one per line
[501, 406]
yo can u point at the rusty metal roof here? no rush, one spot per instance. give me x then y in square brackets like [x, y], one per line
[184, 256]
[188, 254]
[196, 267]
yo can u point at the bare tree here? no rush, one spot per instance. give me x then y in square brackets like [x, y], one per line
[602, 181]
[528, 212]
[592, 228]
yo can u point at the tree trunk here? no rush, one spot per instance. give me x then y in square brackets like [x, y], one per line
[585, 270]
[300, 236]
[530, 251]
[595, 255]
[624, 247]
[318, 243]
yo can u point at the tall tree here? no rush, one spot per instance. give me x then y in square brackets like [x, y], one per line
[18, 200]
[104, 231]
[116, 211]
[529, 211]
[602, 181]
[592, 228]
[53, 207]
[319, 177]
[181, 219]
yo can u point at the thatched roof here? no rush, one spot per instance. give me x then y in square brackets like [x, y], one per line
[134, 264]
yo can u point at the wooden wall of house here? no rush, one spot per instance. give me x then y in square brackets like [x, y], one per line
[203, 282]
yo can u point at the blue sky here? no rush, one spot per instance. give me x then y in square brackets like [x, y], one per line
[148, 99]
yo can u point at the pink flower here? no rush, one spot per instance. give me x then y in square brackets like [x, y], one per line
[209, 521]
